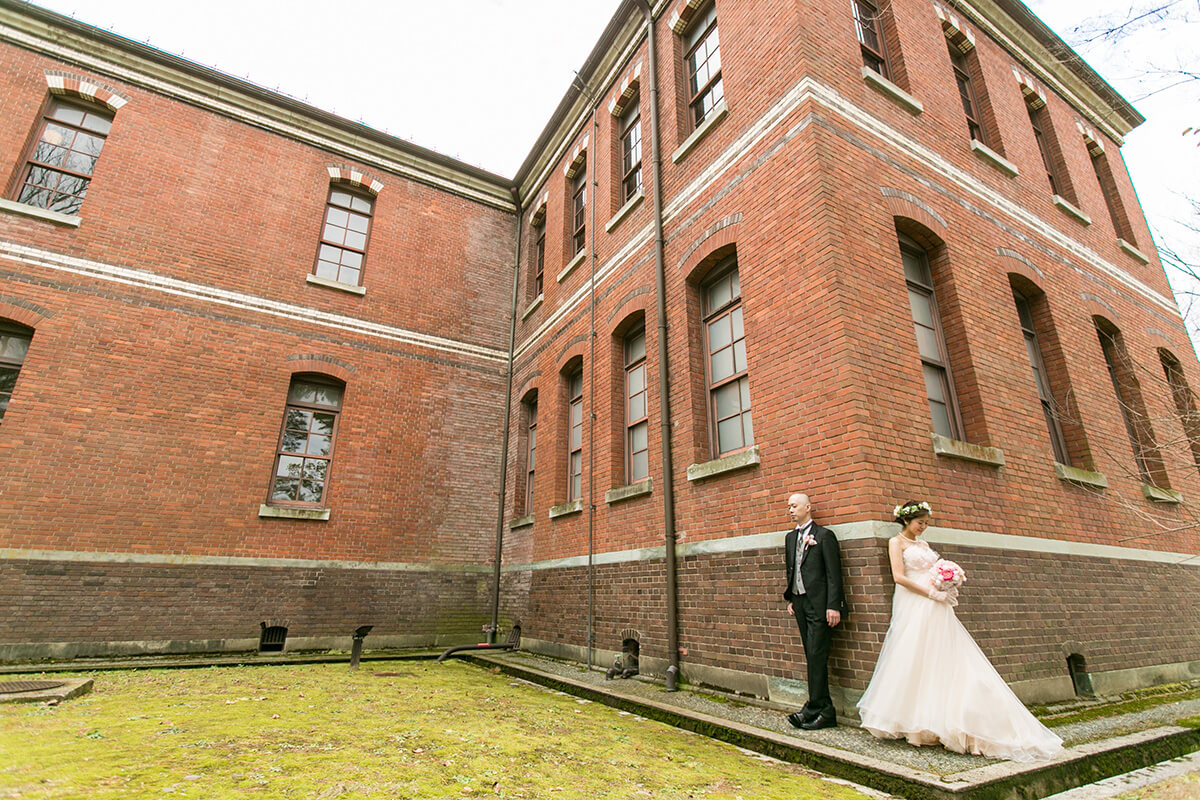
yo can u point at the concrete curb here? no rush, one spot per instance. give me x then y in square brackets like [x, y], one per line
[1078, 766]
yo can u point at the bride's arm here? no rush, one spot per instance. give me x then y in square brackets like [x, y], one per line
[896, 556]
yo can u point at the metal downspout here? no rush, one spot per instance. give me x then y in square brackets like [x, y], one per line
[664, 380]
[512, 339]
[591, 494]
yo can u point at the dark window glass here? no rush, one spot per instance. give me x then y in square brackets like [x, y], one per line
[1133, 409]
[539, 261]
[703, 62]
[967, 93]
[1112, 198]
[579, 210]
[1041, 380]
[344, 237]
[1039, 134]
[1185, 402]
[530, 453]
[631, 152]
[305, 453]
[728, 377]
[575, 434]
[62, 160]
[931, 344]
[637, 424]
[14, 345]
[868, 27]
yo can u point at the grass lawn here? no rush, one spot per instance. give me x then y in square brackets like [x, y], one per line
[421, 730]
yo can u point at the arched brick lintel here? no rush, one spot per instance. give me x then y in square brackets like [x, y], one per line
[1096, 307]
[322, 364]
[339, 173]
[1016, 264]
[637, 300]
[701, 251]
[24, 312]
[903, 204]
[71, 84]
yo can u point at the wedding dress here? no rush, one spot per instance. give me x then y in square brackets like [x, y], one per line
[933, 684]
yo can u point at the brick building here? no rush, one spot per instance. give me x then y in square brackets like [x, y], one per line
[872, 252]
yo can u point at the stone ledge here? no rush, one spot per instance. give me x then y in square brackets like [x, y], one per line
[570, 267]
[995, 159]
[624, 210]
[891, 91]
[533, 306]
[716, 115]
[1083, 477]
[563, 509]
[39, 213]
[283, 512]
[1071, 210]
[317, 280]
[1133, 251]
[719, 466]
[629, 492]
[1157, 495]
[980, 454]
[520, 522]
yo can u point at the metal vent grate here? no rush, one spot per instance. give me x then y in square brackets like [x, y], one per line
[16, 687]
[272, 639]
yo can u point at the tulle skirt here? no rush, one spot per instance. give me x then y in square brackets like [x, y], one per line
[932, 684]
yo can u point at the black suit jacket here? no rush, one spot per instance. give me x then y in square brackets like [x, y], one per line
[821, 569]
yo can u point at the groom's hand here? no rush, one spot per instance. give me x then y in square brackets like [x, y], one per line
[790, 612]
[833, 617]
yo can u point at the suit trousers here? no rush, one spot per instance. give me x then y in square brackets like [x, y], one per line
[817, 636]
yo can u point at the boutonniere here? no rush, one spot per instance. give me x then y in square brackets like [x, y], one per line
[808, 539]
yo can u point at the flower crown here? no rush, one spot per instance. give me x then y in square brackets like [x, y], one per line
[911, 510]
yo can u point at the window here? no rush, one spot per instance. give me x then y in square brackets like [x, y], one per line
[1185, 402]
[344, 237]
[725, 345]
[703, 63]
[1133, 409]
[575, 433]
[1112, 197]
[637, 424]
[967, 92]
[631, 151]
[61, 162]
[1041, 380]
[579, 210]
[531, 411]
[869, 28]
[302, 462]
[539, 261]
[1043, 133]
[14, 344]
[931, 341]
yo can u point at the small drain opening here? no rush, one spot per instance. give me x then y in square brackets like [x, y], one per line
[1081, 679]
[272, 639]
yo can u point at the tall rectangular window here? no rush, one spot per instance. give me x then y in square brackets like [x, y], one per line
[1185, 402]
[575, 434]
[1057, 441]
[530, 452]
[931, 342]
[60, 164]
[1036, 121]
[725, 345]
[703, 63]
[868, 26]
[14, 345]
[1133, 408]
[344, 237]
[637, 424]
[305, 453]
[1112, 197]
[631, 151]
[539, 261]
[579, 210]
[967, 94]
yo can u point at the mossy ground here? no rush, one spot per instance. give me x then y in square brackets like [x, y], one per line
[424, 730]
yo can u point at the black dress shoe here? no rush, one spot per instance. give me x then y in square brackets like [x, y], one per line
[797, 719]
[819, 722]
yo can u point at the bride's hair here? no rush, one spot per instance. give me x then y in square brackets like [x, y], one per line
[910, 510]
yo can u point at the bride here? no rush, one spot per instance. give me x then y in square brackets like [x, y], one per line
[932, 683]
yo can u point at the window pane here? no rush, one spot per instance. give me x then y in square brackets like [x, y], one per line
[13, 347]
[927, 343]
[285, 489]
[916, 268]
[336, 216]
[727, 400]
[637, 406]
[356, 240]
[722, 364]
[80, 162]
[636, 348]
[327, 270]
[318, 445]
[65, 203]
[8, 379]
[40, 176]
[339, 199]
[739, 356]
[639, 437]
[576, 487]
[49, 152]
[935, 384]
[310, 491]
[358, 222]
[315, 469]
[941, 419]
[922, 309]
[348, 276]
[302, 392]
[289, 467]
[735, 286]
[747, 429]
[360, 204]
[333, 234]
[719, 334]
[639, 466]
[744, 387]
[32, 196]
[298, 419]
[325, 395]
[729, 434]
[330, 253]
[96, 122]
[351, 259]
[637, 379]
[293, 441]
[718, 294]
[68, 114]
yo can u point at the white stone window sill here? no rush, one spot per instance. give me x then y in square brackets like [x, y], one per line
[953, 448]
[623, 212]
[1133, 251]
[285, 512]
[995, 159]
[569, 268]
[716, 115]
[742, 459]
[39, 213]
[1071, 210]
[1157, 495]
[521, 522]
[563, 509]
[639, 489]
[342, 287]
[1082, 477]
[537, 302]
[891, 91]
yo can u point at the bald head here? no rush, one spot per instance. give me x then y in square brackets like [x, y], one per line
[799, 508]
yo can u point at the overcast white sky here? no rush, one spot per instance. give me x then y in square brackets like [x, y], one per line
[478, 79]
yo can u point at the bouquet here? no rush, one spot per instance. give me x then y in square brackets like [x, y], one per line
[947, 575]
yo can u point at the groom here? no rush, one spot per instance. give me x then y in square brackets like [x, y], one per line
[815, 599]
